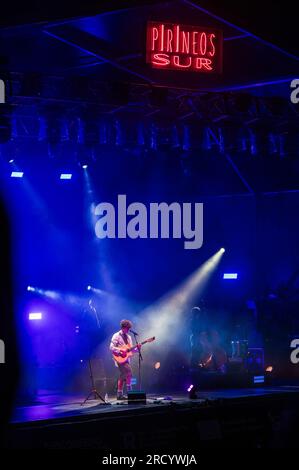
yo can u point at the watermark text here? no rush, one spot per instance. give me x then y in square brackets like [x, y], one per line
[295, 353]
[295, 92]
[2, 352]
[2, 91]
[157, 220]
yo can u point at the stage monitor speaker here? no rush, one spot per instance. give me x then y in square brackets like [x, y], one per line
[136, 397]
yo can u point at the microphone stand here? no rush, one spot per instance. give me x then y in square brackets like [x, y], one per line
[93, 391]
[140, 358]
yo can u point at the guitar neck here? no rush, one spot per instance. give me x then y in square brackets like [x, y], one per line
[133, 347]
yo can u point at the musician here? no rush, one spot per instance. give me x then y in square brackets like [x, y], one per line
[207, 352]
[119, 340]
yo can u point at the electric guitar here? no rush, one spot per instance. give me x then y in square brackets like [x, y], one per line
[127, 352]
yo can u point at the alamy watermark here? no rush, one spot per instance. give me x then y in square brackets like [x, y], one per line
[295, 353]
[295, 93]
[157, 220]
[2, 91]
[2, 352]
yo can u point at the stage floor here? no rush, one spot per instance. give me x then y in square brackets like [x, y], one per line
[265, 417]
[58, 406]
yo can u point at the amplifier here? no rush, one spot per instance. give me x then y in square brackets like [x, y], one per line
[136, 397]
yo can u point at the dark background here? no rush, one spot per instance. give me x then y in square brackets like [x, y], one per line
[274, 21]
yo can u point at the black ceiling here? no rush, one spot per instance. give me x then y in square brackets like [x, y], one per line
[111, 45]
[272, 21]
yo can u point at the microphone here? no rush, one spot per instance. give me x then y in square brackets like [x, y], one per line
[134, 332]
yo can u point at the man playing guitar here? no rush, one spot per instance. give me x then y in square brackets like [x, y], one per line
[119, 343]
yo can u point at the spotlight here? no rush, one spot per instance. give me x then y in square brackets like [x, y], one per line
[35, 316]
[97, 291]
[30, 289]
[167, 312]
[84, 167]
[230, 276]
[11, 161]
[192, 392]
[66, 176]
[17, 174]
[222, 250]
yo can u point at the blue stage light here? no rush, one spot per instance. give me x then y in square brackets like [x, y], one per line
[66, 176]
[259, 379]
[88, 287]
[17, 174]
[35, 316]
[84, 167]
[230, 276]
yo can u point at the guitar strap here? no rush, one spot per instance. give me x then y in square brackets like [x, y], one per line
[125, 338]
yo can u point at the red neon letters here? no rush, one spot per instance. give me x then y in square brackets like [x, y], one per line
[188, 48]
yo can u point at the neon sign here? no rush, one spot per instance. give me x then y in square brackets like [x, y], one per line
[187, 48]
